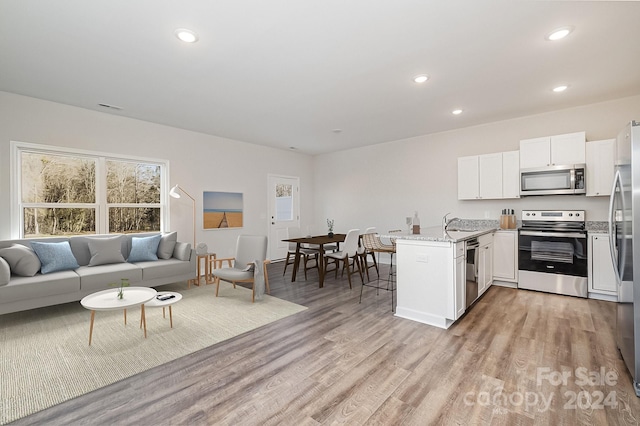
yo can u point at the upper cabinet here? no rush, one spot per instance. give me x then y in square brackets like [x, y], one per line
[600, 157]
[553, 150]
[511, 174]
[489, 176]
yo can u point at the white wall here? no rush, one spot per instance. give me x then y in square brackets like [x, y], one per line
[198, 162]
[372, 186]
[380, 185]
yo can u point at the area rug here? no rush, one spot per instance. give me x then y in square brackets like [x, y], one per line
[45, 358]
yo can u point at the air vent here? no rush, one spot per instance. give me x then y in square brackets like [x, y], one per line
[117, 108]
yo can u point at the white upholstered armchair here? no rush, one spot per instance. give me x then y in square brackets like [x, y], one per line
[251, 254]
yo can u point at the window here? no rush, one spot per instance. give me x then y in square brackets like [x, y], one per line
[284, 202]
[69, 192]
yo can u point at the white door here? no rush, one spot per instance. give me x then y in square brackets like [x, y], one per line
[284, 206]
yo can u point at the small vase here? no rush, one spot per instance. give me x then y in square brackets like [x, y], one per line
[330, 234]
[121, 293]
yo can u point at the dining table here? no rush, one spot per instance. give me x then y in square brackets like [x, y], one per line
[312, 242]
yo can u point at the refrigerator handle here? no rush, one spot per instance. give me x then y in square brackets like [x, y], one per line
[612, 230]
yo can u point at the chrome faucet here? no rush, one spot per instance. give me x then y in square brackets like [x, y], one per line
[445, 222]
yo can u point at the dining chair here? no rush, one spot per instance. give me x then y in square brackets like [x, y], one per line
[349, 252]
[307, 254]
[251, 252]
[364, 251]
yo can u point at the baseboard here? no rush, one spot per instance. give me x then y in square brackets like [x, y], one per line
[505, 284]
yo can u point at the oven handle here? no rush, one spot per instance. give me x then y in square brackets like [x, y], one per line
[553, 234]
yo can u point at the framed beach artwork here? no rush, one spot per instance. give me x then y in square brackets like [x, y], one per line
[222, 210]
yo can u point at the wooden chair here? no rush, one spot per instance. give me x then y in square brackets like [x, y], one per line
[307, 254]
[249, 249]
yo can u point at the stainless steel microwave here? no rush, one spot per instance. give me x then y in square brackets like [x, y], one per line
[553, 180]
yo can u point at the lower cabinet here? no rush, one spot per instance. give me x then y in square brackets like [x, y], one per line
[602, 278]
[460, 279]
[431, 281]
[505, 256]
[485, 263]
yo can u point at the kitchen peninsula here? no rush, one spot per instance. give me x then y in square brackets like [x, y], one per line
[441, 273]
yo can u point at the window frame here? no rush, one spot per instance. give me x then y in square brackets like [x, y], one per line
[101, 206]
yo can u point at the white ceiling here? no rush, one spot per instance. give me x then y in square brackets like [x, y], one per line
[286, 73]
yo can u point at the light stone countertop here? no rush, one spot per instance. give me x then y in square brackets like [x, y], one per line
[435, 233]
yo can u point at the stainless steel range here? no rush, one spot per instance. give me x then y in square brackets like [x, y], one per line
[552, 252]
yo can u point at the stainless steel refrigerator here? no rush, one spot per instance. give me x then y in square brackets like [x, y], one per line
[624, 218]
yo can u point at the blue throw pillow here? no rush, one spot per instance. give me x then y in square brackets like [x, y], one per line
[55, 256]
[144, 248]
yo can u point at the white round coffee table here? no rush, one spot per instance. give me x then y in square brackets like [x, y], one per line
[107, 300]
[155, 303]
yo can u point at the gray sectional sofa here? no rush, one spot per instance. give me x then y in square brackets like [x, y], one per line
[89, 264]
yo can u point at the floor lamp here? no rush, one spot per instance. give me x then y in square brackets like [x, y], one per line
[174, 193]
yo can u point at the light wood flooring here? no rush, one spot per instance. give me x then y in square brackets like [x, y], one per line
[345, 362]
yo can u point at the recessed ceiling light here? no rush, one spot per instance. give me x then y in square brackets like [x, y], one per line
[559, 89]
[456, 112]
[421, 78]
[337, 131]
[559, 33]
[186, 35]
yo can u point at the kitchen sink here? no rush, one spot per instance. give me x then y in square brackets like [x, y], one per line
[462, 229]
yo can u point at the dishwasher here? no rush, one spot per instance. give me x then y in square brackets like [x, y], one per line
[471, 272]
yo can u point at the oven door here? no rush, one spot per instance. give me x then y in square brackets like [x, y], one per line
[562, 253]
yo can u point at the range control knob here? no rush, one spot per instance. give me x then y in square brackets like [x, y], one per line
[570, 214]
[577, 214]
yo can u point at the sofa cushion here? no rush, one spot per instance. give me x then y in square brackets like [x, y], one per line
[163, 268]
[5, 272]
[100, 277]
[144, 248]
[21, 259]
[105, 251]
[167, 244]
[55, 256]
[39, 286]
[182, 251]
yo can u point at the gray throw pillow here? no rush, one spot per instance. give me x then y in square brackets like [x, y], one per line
[55, 256]
[22, 260]
[5, 272]
[182, 251]
[106, 250]
[167, 244]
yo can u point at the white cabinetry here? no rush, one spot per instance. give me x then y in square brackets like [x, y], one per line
[468, 178]
[602, 279]
[511, 174]
[553, 150]
[599, 161]
[505, 256]
[460, 279]
[484, 177]
[431, 281]
[485, 263]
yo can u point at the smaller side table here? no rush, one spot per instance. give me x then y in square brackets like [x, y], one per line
[155, 303]
[209, 265]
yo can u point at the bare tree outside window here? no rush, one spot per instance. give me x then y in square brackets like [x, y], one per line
[59, 197]
[58, 194]
[284, 202]
[133, 196]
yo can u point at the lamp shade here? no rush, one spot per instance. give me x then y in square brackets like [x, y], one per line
[174, 192]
